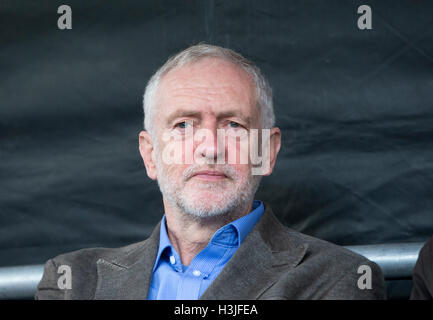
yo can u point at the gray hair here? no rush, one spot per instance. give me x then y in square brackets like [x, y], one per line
[196, 53]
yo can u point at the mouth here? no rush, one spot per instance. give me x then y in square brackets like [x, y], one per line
[209, 175]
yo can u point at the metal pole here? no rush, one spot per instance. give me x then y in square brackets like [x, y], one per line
[19, 282]
[396, 260]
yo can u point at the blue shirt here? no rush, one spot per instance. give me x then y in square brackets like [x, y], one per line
[172, 280]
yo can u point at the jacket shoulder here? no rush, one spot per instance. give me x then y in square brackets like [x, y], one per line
[81, 268]
[279, 237]
[334, 272]
[319, 248]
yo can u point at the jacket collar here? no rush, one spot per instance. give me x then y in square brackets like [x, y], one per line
[127, 276]
[238, 228]
[267, 251]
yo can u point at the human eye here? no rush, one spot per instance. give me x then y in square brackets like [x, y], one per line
[236, 129]
[235, 125]
[183, 124]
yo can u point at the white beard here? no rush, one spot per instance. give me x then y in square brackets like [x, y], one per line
[225, 200]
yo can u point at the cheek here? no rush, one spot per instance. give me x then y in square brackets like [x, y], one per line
[243, 172]
[237, 151]
[187, 149]
[172, 152]
[174, 173]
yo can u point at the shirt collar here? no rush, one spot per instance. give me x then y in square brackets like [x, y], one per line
[231, 234]
[242, 226]
[164, 241]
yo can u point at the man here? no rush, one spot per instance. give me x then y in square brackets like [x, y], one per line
[209, 138]
[423, 274]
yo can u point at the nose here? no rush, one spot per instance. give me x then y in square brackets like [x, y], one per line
[210, 147]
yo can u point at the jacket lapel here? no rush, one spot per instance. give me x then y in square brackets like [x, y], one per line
[128, 276]
[266, 252]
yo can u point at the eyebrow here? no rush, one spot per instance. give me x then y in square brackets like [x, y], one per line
[229, 114]
[197, 114]
[182, 113]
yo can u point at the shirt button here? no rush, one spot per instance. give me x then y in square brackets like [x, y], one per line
[172, 260]
[196, 273]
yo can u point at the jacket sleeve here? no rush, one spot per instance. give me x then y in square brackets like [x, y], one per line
[423, 274]
[351, 286]
[48, 288]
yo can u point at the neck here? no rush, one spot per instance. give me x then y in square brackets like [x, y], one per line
[190, 235]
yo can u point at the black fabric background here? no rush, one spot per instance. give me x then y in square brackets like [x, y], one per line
[355, 108]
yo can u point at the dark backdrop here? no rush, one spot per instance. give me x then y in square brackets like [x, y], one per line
[355, 108]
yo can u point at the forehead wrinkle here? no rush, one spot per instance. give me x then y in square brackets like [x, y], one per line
[215, 102]
[211, 74]
[197, 89]
[206, 92]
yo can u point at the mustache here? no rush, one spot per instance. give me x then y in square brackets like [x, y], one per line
[229, 171]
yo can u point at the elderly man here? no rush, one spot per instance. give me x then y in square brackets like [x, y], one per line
[209, 139]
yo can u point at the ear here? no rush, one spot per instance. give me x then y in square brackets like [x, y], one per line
[147, 153]
[275, 145]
